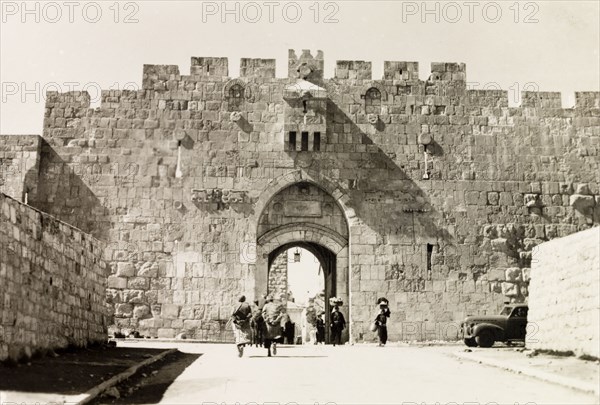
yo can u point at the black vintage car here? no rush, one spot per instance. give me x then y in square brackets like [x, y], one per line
[509, 326]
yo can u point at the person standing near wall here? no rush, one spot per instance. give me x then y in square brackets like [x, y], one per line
[338, 323]
[241, 325]
[381, 321]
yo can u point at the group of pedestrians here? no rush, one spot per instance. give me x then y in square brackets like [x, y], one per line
[259, 326]
[262, 325]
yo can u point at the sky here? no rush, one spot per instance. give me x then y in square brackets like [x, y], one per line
[64, 45]
[304, 279]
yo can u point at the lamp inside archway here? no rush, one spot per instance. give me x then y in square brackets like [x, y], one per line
[297, 255]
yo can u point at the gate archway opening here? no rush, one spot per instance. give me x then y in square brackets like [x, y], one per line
[312, 298]
[304, 215]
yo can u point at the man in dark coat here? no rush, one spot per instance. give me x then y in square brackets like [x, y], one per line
[321, 328]
[338, 323]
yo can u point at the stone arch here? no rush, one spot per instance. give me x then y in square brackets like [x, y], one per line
[231, 83]
[312, 233]
[374, 85]
[249, 89]
[308, 176]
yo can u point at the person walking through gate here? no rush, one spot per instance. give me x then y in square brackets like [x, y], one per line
[241, 325]
[381, 321]
[321, 328]
[338, 323]
[258, 324]
[272, 315]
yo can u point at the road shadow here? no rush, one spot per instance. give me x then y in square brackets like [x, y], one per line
[73, 371]
[149, 384]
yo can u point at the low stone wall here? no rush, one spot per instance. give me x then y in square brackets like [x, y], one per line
[52, 283]
[564, 290]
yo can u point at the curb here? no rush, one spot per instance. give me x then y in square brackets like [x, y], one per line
[588, 388]
[98, 389]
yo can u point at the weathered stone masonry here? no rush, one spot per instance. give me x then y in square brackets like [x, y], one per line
[52, 283]
[564, 310]
[19, 165]
[431, 194]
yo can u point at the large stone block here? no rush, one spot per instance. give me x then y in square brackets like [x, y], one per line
[513, 274]
[124, 310]
[582, 202]
[141, 311]
[170, 311]
[125, 269]
[166, 333]
[148, 269]
[510, 289]
[138, 283]
[117, 282]
[133, 296]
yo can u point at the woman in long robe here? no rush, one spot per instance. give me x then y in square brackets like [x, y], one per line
[241, 325]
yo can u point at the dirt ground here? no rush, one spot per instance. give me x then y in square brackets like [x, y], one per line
[73, 371]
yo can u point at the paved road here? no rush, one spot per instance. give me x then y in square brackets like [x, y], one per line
[353, 375]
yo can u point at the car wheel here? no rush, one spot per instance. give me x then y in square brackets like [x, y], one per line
[470, 342]
[485, 338]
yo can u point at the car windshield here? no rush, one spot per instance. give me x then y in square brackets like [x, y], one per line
[506, 311]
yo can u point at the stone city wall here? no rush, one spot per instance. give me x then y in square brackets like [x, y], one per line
[52, 283]
[443, 191]
[19, 165]
[564, 313]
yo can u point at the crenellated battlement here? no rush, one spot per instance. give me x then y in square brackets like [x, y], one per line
[207, 91]
[259, 68]
[209, 66]
[587, 99]
[353, 69]
[393, 70]
[306, 66]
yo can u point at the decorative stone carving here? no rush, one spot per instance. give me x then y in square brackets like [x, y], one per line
[304, 70]
[302, 209]
[425, 138]
[235, 116]
[493, 197]
[532, 200]
[218, 196]
[373, 118]
[180, 134]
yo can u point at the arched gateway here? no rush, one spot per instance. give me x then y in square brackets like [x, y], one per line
[302, 211]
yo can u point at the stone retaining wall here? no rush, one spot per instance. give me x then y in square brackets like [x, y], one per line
[564, 310]
[52, 283]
